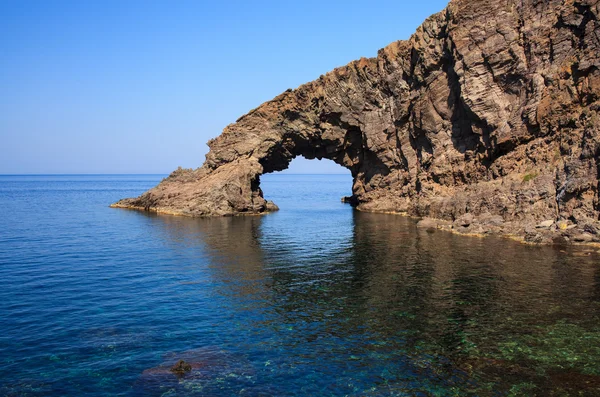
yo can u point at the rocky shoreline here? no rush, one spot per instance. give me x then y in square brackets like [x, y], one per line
[548, 232]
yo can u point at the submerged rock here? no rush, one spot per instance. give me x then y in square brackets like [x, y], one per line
[201, 370]
[430, 223]
[181, 368]
[489, 108]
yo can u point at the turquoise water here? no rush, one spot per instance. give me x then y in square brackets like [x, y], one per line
[314, 300]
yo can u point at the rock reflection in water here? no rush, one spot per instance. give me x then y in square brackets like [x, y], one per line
[373, 304]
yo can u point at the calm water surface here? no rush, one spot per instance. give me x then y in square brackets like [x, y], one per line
[315, 300]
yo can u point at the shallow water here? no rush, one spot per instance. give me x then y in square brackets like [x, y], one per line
[316, 299]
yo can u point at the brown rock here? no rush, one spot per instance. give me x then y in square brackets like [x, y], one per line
[350, 200]
[465, 220]
[428, 223]
[489, 108]
[583, 238]
[545, 224]
[181, 368]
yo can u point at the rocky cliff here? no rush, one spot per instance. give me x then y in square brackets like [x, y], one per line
[486, 119]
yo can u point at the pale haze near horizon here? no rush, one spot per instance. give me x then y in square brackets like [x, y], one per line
[140, 87]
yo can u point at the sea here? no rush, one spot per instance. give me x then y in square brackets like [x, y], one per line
[316, 299]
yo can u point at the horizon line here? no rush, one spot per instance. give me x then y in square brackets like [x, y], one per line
[99, 174]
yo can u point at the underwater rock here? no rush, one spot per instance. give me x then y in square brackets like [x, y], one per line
[199, 369]
[431, 223]
[181, 368]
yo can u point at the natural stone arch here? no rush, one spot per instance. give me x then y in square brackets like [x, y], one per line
[489, 111]
[313, 121]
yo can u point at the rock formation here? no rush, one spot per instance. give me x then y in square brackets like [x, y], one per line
[486, 119]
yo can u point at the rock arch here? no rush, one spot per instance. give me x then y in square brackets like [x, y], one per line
[484, 112]
[313, 121]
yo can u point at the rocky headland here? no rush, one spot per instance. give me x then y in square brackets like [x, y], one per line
[484, 121]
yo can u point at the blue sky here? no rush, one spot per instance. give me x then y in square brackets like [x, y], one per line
[140, 86]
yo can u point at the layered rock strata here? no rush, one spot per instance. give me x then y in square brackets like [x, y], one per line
[486, 118]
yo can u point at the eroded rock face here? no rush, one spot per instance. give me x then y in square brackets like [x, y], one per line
[491, 109]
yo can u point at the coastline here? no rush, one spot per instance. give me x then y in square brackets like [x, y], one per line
[547, 237]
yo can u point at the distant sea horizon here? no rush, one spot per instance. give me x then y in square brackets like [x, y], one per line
[150, 173]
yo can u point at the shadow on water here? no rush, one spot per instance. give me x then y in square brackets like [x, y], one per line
[371, 305]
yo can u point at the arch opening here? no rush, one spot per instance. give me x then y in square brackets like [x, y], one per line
[347, 152]
[342, 143]
[308, 184]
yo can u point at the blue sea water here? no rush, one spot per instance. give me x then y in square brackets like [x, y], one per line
[314, 300]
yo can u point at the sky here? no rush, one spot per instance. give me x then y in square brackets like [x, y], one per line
[140, 86]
